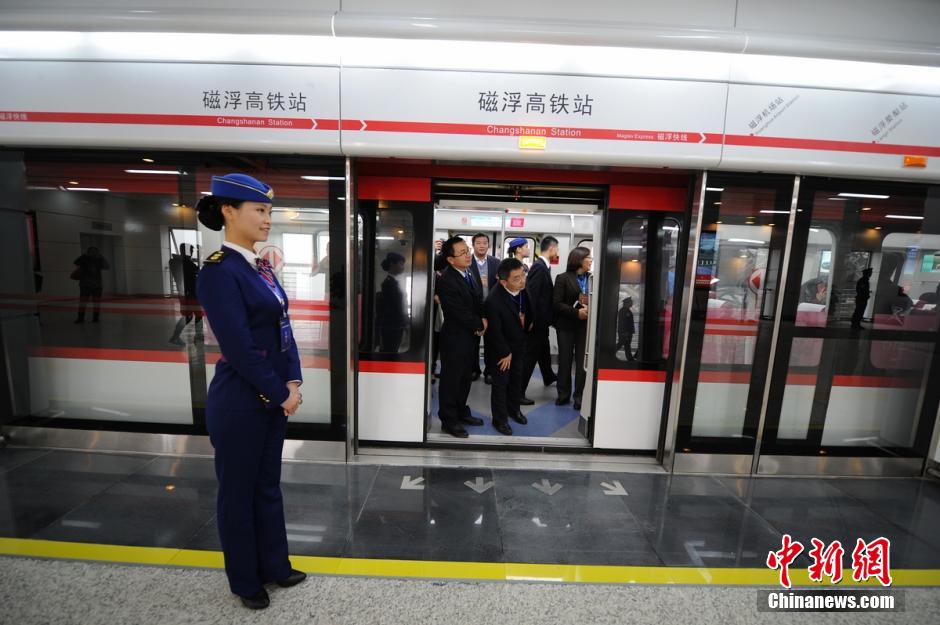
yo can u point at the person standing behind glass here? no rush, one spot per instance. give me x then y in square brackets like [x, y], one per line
[88, 268]
[570, 299]
[539, 287]
[185, 271]
[462, 304]
[254, 390]
[862, 295]
[392, 318]
[483, 269]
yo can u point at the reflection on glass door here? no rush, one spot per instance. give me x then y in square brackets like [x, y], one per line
[740, 254]
[859, 329]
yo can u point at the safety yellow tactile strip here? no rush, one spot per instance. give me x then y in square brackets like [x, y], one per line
[433, 569]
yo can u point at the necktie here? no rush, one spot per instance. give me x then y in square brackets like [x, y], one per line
[468, 279]
[266, 271]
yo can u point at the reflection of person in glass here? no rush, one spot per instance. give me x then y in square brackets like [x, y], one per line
[862, 295]
[570, 298]
[88, 268]
[626, 328]
[255, 389]
[814, 291]
[901, 303]
[887, 287]
[391, 316]
[184, 271]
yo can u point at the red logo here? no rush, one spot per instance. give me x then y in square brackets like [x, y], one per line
[517, 222]
[273, 255]
[869, 560]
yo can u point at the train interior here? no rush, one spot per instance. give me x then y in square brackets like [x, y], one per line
[572, 225]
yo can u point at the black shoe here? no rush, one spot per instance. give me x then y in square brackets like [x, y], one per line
[525, 401]
[519, 418]
[474, 376]
[550, 381]
[293, 579]
[561, 401]
[256, 602]
[471, 420]
[503, 428]
[488, 379]
[455, 430]
[176, 341]
[577, 404]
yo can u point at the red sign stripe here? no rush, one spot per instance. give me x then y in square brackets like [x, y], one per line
[152, 119]
[830, 146]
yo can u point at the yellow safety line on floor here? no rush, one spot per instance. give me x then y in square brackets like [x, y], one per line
[434, 569]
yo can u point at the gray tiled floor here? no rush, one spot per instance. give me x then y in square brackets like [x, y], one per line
[438, 513]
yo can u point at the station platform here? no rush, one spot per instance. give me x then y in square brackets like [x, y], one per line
[91, 537]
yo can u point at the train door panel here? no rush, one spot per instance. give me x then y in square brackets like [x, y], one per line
[641, 257]
[394, 290]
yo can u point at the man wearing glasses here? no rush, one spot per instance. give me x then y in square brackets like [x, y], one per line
[462, 302]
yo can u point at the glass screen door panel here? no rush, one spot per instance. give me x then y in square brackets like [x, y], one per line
[859, 331]
[740, 253]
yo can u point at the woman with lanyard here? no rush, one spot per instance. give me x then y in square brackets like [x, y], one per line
[570, 300]
[255, 388]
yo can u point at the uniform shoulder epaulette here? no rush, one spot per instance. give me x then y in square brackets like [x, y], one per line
[216, 257]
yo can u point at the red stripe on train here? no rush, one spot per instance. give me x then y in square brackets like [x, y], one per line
[630, 375]
[381, 366]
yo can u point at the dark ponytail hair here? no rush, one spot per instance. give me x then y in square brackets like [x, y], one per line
[209, 210]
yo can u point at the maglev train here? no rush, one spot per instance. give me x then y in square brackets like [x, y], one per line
[760, 198]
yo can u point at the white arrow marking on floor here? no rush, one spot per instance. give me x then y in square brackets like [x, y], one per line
[614, 489]
[546, 487]
[364, 125]
[412, 484]
[479, 485]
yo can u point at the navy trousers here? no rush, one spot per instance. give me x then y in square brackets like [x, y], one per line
[248, 445]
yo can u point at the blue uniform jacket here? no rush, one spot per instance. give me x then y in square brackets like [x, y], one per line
[245, 318]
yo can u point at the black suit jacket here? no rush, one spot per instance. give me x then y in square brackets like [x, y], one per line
[462, 305]
[505, 335]
[539, 287]
[492, 264]
[564, 296]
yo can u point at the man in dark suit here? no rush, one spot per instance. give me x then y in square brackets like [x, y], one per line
[462, 303]
[510, 319]
[539, 288]
[483, 269]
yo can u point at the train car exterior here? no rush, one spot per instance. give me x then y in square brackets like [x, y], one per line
[761, 202]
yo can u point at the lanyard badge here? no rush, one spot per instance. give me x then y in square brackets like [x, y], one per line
[286, 333]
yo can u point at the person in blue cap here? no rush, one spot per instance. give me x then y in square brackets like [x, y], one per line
[519, 249]
[255, 388]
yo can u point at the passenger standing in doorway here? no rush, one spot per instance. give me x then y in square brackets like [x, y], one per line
[510, 320]
[862, 295]
[88, 268]
[439, 266]
[462, 303]
[519, 249]
[539, 288]
[483, 269]
[570, 298]
[626, 328]
[184, 271]
[255, 389]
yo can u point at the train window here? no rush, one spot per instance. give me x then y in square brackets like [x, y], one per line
[394, 237]
[119, 335]
[639, 337]
[858, 355]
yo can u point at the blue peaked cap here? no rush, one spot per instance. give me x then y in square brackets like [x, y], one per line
[242, 187]
[517, 242]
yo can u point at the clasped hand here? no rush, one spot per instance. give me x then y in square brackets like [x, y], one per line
[293, 400]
